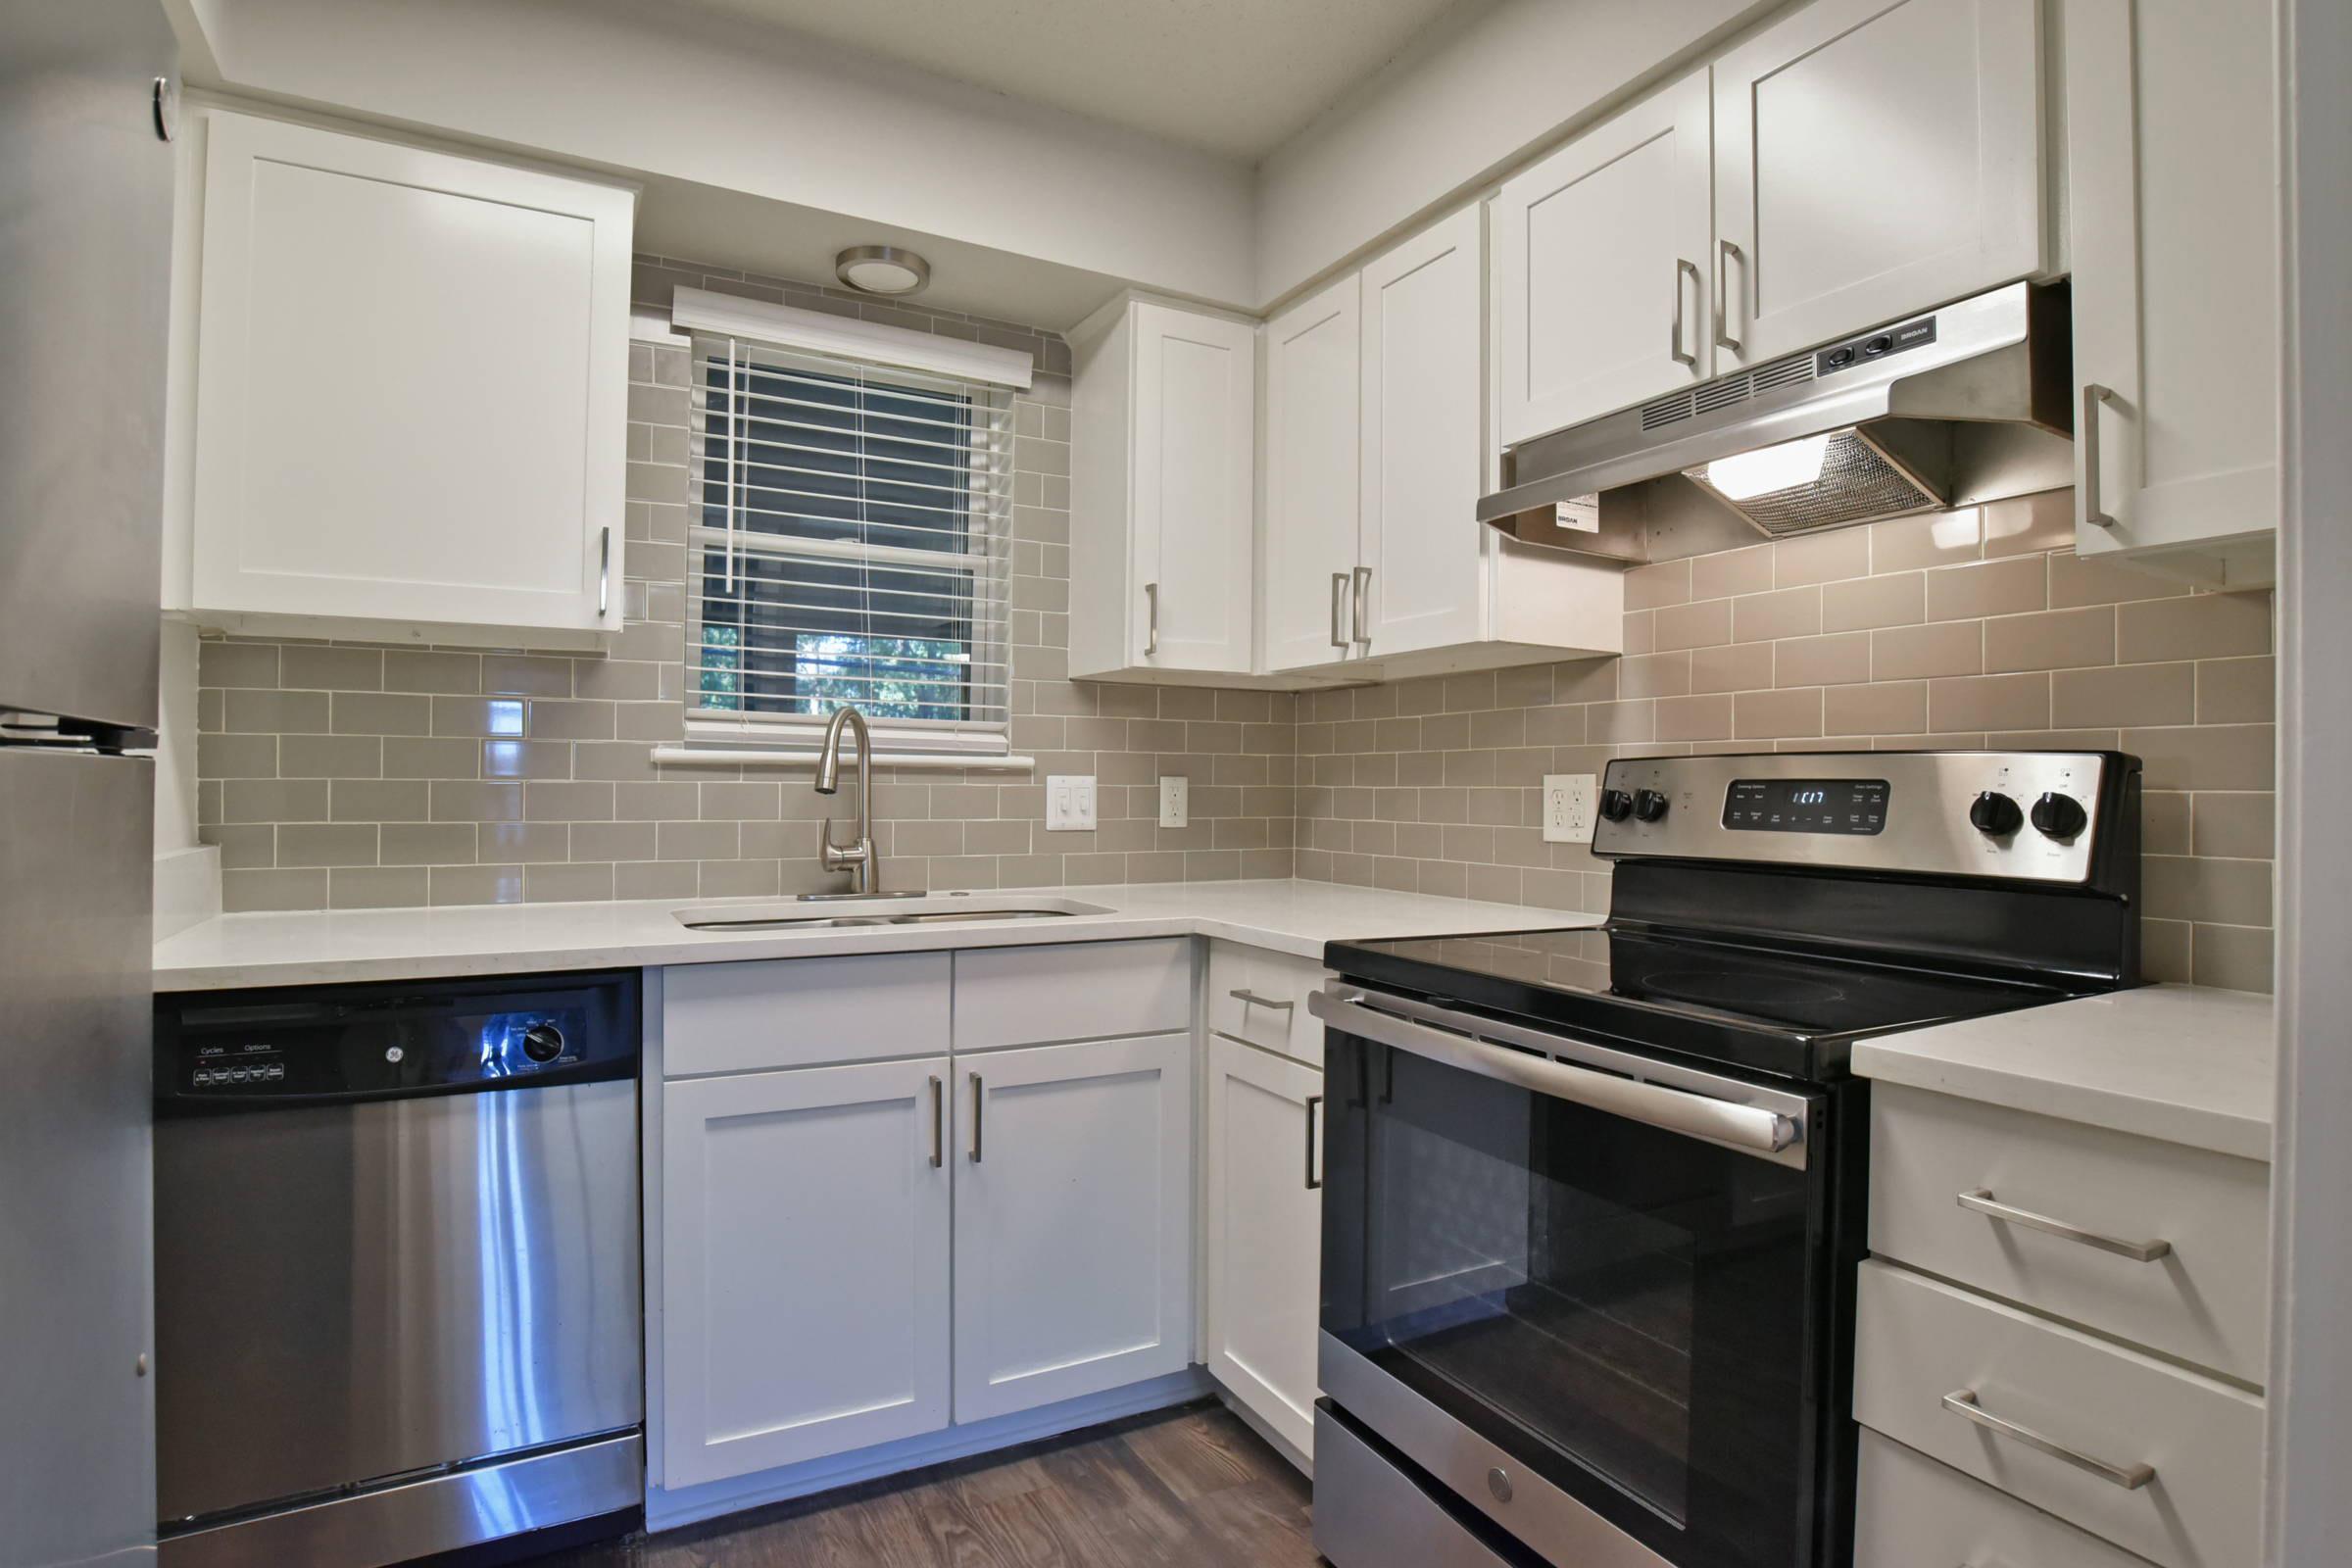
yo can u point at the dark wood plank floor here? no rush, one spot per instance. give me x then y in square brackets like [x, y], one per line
[1192, 1488]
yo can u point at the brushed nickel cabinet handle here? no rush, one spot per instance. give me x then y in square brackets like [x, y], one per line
[1151, 625]
[1674, 336]
[1363, 590]
[1338, 601]
[1251, 999]
[1314, 1104]
[2094, 397]
[939, 1123]
[977, 1093]
[604, 573]
[1962, 1402]
[1726, 254]
[1982, 1201]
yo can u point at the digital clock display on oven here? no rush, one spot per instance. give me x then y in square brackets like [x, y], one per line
[1855, 805]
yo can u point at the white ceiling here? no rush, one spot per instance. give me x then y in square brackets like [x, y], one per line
[1237, 77]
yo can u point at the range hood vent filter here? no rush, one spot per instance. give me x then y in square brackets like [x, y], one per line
[1858, 482]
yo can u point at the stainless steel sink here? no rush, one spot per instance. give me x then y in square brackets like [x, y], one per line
[832, 912]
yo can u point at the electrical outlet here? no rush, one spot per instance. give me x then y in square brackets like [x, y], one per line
[1070, 802]
[1175, 799]
[1568, 799]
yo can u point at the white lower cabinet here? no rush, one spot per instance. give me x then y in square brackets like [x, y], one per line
[804, 1248]
[1264, 1240]
[1074, 1220]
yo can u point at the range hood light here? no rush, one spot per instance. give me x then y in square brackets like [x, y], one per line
[1760, 473]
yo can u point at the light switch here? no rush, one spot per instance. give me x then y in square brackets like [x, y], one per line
[1175, 799]
[1568, 803]
[1069, 803]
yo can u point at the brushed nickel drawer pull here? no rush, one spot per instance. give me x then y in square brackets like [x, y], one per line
[1962, 1402]
[1980, 1202]
[1314, 1104]
[1251, 999]
[1339, 596]
[979, 1095]
[1674, 335]
[2094, 398]
[1726, 254]
[939, 1119]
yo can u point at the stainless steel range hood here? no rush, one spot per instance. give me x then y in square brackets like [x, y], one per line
[1957, 405]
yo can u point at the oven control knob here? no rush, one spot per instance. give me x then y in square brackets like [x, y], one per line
[543, 1042]
[1649, 805]
[1616, 804]
[1994, 815]
[2058, 817]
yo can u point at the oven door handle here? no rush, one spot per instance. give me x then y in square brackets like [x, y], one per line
[1748, 1128]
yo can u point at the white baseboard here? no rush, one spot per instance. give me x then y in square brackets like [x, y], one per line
[666, 1509]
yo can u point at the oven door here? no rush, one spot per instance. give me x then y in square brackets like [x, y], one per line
[1584, 1289]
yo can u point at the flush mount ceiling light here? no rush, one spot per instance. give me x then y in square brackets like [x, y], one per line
[881, 270]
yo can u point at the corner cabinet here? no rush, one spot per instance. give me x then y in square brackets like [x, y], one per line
[409, 389]
[1872, 160]
[2171, 124]
[1162, 482]
[1265, 1233]
[1376, 565]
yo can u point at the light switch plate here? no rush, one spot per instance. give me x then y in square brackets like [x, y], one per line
[1175, 799]
[1069, 803]
[1568, 805]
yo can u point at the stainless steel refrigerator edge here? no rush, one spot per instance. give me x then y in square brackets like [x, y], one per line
[85, 217]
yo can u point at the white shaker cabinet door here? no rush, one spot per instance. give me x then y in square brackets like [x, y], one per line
[412, 385]
[2172, 175]
[1265, 1172]
[1195, 438]
[1423, 552]
[1073, 1220]
[1602, 268]
[1312, 438]
[1873, 159]
[805, 1266]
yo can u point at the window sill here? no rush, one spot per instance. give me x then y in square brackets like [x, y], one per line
[794, 758]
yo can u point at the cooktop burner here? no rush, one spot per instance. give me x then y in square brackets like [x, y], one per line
[1785, 1011]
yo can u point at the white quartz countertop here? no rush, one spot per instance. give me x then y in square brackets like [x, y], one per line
[2186, 1065]
[323, 947]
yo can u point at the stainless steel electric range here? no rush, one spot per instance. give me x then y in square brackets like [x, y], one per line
[1593, 1198]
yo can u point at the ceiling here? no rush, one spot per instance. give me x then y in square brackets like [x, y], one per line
[1235, 77]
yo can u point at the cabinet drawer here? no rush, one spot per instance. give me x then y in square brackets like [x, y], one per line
[2205, 1300]
[1914, 1511]
[1082, 991]
[1920, 1341]
[795, 1012]
[1277, 1018]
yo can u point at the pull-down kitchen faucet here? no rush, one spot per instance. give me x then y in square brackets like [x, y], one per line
[858, 857]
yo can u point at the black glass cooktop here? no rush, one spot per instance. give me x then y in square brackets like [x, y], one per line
[1791, 1012]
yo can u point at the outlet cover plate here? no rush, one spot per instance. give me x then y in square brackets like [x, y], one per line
[1070, 802]
[1569, 803]
[1175, 801]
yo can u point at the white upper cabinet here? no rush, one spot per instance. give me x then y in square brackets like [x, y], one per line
[1603, 267]
[804, 1276]
[1421, 552]
[1073, 1220]
[1312, 435]
[411, 388]
[1873, 159]
[1164, 480]
[2172, 189]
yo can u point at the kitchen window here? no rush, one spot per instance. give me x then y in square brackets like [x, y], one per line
[849, 542]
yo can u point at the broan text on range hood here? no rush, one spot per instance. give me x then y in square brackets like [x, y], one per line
[1950, 408]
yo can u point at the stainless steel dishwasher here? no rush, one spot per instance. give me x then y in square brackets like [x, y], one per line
[398, 1297]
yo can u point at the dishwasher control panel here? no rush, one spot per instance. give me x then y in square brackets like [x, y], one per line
[333, 1044]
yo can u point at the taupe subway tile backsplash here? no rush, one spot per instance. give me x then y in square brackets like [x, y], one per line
[348, 775]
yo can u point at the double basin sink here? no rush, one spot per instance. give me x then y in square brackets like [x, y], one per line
[820, 911]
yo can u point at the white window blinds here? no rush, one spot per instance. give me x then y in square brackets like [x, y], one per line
[849, 542]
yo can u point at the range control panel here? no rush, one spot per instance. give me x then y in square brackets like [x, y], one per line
[2016, 815]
